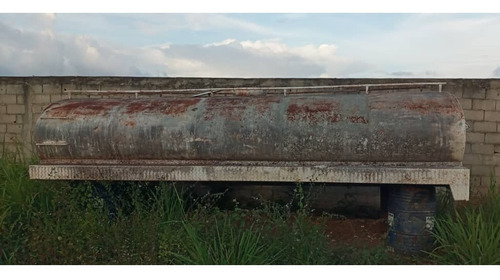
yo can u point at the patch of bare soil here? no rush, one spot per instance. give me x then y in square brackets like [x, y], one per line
[362, 233]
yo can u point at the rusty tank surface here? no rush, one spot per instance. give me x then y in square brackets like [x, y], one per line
[338, 128]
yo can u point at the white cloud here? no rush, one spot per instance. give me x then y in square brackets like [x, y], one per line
[222, 43]
[232, 58]
[420, 46]
[45, 53]
[266, 47]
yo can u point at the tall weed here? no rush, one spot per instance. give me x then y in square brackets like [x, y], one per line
[225, 244]
[55, 222]
[20, 200]
[470, 235]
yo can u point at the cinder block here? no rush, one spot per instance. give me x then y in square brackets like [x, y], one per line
[493, 159]
[468, 149]
[14, 128]
[8, 119]
[79, 96]
[484, 149]
[493, 94]
[16, 109]
[474, 115]
[10, 137]
[41, 99]
[10, 148]
[91, 85]
[485, 127]
[486, 105]
[3, 129]
[56, 97]
[3, 109]
[14, 89]
[475, 137]
[454, 87]
[473, 159]
[475, 180]
[50, 89]
[475, 93]
[492, 138]
[492, 116]
[19, 119]
[36, 116]
[36, 89]
[494, 83]
[482, 170]
[489, 180]
[70, 86]
[20, 99]
[466, 103]
[8, 99]
[37, 108]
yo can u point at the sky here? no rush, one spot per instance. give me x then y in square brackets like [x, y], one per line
[249, 45]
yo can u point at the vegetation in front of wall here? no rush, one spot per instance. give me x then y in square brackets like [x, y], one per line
[469, 235]
[57, 222]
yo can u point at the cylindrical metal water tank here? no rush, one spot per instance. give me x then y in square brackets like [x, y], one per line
[411, 213]
[338, 127]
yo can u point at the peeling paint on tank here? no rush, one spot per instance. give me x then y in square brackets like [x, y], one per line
[177, 106]
[313, 112]
[339, 127]
[100, 107]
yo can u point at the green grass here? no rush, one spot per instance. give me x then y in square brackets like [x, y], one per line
[57, 222]
[225, 244]
[470, 235]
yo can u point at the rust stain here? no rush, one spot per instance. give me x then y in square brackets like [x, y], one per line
[314, 111]
[428, 106]
[264, 104]
[421, 104]
[241, 93]
[229, 108]
[129, 123]
[102, 107]
[82, 108]
[168, 107]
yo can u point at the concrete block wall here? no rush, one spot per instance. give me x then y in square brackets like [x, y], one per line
[22, 100]
[481, 103]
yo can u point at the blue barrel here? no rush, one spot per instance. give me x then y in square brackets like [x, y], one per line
[411, 214]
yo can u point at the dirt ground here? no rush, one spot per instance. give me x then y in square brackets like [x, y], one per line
[357, 232]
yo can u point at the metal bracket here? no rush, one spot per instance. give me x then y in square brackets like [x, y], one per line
[209, 93]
